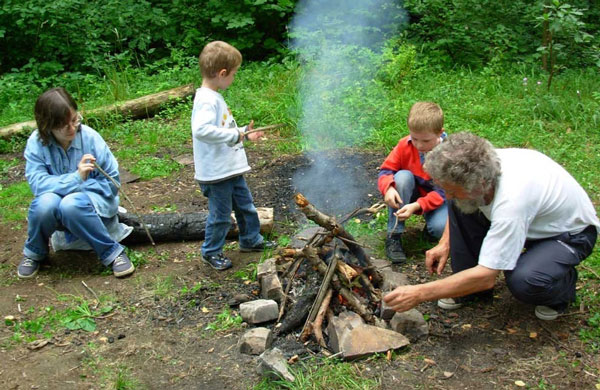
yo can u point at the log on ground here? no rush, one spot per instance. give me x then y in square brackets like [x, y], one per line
[182, 226]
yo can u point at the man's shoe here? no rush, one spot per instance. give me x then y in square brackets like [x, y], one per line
[394, 250]
[546, 313]
[218, 262]
[28, 268]
[122, 266]
[449, 303]
[261, 246]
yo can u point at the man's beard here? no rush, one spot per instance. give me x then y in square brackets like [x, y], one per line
[469, 206]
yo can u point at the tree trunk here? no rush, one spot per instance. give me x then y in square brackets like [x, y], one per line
[182, 227]
[143, 107]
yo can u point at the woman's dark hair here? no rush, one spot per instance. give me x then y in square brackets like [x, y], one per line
[53, 110]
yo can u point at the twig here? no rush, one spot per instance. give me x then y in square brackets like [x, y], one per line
[590, 270]
[394, 228]
[102, 171]
[295, 267]
[354, 242]
[374, 209]
[90, 290]
[317, 325]
[265, 128]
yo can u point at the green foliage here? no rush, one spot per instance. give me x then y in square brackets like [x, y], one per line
[226, 320]
[14, 201]
[322, 374]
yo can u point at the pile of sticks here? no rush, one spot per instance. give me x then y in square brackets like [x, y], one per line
[338, 277]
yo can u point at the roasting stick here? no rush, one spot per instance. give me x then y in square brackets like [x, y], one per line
[102, 171]
[266, 128]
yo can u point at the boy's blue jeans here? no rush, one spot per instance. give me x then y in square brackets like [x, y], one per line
[74, 212]
[223, 197]
[435, 220]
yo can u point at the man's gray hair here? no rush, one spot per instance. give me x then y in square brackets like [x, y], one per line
[466, 160]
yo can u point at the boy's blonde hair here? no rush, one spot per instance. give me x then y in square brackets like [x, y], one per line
[218, 55]
[425, 117]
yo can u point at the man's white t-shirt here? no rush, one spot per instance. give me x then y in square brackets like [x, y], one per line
[535, 198]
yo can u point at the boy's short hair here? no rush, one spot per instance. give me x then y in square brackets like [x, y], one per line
[53, 109]
[425, 117]
[218, 55]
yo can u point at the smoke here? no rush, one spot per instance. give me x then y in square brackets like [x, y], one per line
[338, 43]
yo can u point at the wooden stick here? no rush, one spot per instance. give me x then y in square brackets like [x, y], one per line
[318, 322]
[265, 128]
[90, 290]
[295, 268]
[102, 171]
[307, 330]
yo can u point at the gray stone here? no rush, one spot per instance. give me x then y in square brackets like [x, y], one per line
[381, 264]
[270, 287]
[410, 323]
[259, 311]
[300, 239]
[392, 279]
[272, 364]
[386, 312]
[265, 268]
[255, 341]
[339, 325]
[367, 339]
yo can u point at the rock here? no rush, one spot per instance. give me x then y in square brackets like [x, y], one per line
[367, 339]
[270, 287]
[392, 279]
[386, 312]
[410, 323]
[339, 325]
[267, 267]
[274, 365]
[259, 311]
[255, 341]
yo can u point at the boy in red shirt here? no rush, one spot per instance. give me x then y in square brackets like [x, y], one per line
[406, 187]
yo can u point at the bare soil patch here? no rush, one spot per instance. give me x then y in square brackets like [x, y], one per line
[158, 332]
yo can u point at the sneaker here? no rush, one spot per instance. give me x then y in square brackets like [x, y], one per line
[546, 313]
[449, 303]
[394, 250]
[261, 246]
[122, 266]
[28, 268]
[218, 262]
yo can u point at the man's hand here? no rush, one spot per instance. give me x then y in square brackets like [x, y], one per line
[436, 257]
[407, 211]
[392, 198]
[403, 298]
[86, 165]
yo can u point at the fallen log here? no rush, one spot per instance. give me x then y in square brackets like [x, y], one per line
[182, 226]
[142, 107]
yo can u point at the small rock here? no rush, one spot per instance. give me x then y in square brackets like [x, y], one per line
[121, 336]
[111, 340]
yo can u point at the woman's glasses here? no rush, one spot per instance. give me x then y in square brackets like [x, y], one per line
[74, 123]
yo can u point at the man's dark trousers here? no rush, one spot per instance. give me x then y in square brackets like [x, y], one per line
[545, 273]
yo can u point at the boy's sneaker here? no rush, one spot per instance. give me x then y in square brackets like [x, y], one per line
[27, 268]
[261, 246]
[394, 250]
[546, 313]
[122, 266]
[218, 262]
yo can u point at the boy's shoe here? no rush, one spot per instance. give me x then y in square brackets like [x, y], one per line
[28, 268]
[218, 262]
[449, 303]
[546, 313]
[122, 266]
[394, 250]
[261, 246]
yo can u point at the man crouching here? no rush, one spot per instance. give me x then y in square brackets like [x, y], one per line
[511, 210]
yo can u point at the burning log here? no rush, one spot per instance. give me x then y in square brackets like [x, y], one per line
[338, 230]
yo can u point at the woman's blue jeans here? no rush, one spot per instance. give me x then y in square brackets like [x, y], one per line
[435, 220]
[223, 197]
[50, 212]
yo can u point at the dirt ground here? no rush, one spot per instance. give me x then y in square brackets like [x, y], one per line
[161, 341]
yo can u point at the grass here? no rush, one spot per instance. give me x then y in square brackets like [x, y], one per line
[225, 320]
[322, 375]
[14, 201]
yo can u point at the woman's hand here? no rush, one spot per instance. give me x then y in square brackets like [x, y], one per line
[86, 165]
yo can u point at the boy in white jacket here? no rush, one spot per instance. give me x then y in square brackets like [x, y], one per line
[220, 160]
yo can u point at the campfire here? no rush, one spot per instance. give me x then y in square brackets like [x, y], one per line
[329, 290]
